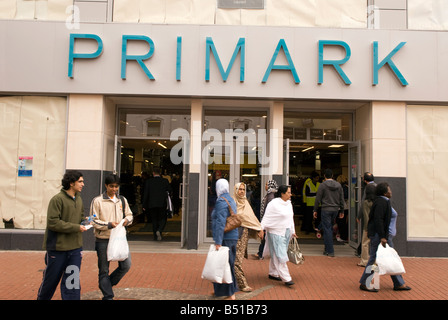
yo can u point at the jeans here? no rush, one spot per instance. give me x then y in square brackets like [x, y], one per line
[375, 241]
[65, 265]
[327, 221]
[106, 281]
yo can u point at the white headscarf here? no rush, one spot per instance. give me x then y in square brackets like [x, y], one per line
[222, 186]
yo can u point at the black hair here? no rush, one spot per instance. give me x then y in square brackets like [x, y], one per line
[368, 176]
[282, 189]
[328, 174]
[112, 178]
[314, 174]
[381, 188]
[156, 170]
[70, 177]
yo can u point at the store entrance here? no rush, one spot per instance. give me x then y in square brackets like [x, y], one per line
[233, 152]
[302, 160]
[137, 160]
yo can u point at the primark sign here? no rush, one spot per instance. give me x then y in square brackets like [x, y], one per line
[239, 49]
[210, 61]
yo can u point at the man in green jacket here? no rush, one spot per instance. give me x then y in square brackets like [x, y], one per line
[63, 240]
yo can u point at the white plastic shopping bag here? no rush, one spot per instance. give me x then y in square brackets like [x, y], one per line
[118, 248]
[217, 267]
[388, 261]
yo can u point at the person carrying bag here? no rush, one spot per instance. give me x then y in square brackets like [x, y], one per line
[224, 239]
[111, 214]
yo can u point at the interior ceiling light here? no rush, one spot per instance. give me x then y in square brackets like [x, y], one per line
[163, 146]
[304, 150]
[336, 146]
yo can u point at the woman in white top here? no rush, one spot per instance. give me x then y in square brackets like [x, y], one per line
[278, 222]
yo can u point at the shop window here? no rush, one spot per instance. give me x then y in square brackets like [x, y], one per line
[32, 161]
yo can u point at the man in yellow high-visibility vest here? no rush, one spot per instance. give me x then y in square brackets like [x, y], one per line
[309, 196]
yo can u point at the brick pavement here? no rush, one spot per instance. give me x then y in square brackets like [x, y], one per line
[177, 276]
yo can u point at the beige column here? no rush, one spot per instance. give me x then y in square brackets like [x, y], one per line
[90, 134]
[196, 136]
[389, 139]
[276, 138]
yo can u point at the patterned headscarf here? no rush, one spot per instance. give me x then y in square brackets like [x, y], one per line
[272, 187]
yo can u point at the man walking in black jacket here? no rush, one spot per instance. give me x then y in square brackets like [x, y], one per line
[155, 201]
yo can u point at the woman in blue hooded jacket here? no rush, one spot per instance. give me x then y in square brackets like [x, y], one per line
[221, 238]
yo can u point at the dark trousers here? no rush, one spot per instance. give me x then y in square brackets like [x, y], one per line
[375, 241]
[106, 281]
[228, 289]
[65, 265]
[307, 224]
[158, 217]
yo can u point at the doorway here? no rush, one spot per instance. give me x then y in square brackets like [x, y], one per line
[142, 144]
[138, 158]
[232, 153]
[301, 161]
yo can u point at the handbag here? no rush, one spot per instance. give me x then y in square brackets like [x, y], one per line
[388, 261]
[233, 220]
[294, 253]
[217, 267]
[118, 248]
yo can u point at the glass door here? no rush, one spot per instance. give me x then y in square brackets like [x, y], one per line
[235, 166]
[285, 178]
[231, 151]
[354, 183]
[117, 151]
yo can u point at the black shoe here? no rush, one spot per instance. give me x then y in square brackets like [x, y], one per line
[364, 288]
[289, 283]
[403, 288]
[275, 278]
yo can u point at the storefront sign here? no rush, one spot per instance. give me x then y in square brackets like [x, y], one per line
[240, 50]
[211, 61]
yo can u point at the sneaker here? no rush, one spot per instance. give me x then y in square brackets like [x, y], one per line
[159, 236]
[328, 254]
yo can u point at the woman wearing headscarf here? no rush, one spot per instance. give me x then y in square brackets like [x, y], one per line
[278, 222]
[228, 239]
[271, 188]
[250, 226]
